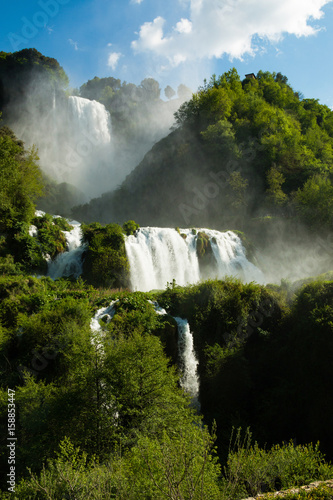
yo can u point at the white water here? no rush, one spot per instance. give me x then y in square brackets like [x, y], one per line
[74, 141]
[158, 256]
[106, 313]
[189, 362]
[70, 262]
[90, 120]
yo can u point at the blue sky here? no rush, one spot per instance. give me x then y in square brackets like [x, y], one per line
[179, 41]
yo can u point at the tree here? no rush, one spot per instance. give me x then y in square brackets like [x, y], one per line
[143, 386]
[20, 180]
[169, 92]
[238, 185]
[184, 93]
[151, 89]
[275, 179]
[314, 202]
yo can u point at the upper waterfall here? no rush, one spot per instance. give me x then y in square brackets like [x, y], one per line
[160, 255]
[91, 119]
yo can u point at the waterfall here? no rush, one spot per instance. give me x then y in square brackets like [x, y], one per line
[105, 313]
[189, 362]
[74, 140]
[160, 255]
[90, 120]
[70, 262]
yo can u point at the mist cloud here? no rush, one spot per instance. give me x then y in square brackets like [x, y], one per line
[226, 27]
[113, 59]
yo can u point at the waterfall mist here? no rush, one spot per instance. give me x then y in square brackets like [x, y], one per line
[76, 141]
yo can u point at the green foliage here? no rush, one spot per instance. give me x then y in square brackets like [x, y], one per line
[244, 145]
[182, 465]
[275, 180]
[50, 234]
[29, 62]
[130, 227]
[314, 202]
[251, 469]
[8, 266]
[106, 262]
[20, 182]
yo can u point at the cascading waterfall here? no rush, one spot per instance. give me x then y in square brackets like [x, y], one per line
[105, 313]
[160, 255]
[90, 120]
[87, 152]
[74, 140]
[70, 262]
[189, 364]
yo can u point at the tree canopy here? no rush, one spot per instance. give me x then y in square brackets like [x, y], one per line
[21, 180]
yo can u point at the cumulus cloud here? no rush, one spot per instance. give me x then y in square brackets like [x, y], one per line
[184, 26]
[217, 27]
[113, 59]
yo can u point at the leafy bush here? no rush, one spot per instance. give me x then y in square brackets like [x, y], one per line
[250, 470]
[130, 227]
[105, 262]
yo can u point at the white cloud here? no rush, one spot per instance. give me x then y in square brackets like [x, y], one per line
[74, 44]
[136, 1]
[113, 59]
[218, 27]
[150, 36]
[184, 26]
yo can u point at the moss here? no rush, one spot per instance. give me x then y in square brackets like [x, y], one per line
[203, 245]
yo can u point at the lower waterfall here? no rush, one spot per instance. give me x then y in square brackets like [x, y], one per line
[189, 362]
[70, 262]
[158, 256]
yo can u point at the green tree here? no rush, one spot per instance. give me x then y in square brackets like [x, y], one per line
[143, 386]
[275, 179]
[20, 181]
[314, 202]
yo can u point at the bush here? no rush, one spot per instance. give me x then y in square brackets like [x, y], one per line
[130, 227]
[250, 470]
[106, 262]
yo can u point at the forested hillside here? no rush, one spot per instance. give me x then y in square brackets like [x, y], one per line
[241, 149]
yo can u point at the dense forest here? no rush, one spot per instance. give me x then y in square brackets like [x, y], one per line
[100, 407]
